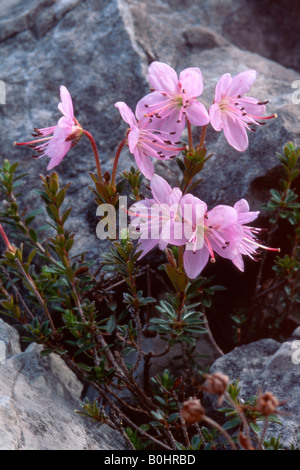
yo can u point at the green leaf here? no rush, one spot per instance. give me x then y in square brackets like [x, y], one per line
[255, 428]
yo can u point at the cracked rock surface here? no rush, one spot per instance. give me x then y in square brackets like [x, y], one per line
[38, 399]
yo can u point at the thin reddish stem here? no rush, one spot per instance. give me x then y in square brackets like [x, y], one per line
[96, 155]
[116, 161]
[5, 239]
[202, 137]
[190, 135]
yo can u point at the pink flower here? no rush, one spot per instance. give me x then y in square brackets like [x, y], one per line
[217, 231]
[144, 141]
[65, 134]
[173, 100]
[234, 113]
[249, 245]
[158, 221]
[223, 232]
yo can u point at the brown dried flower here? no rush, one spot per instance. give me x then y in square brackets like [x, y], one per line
[267, 403]
[217, 384]
[192, 411]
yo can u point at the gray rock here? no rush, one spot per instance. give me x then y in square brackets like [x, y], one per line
[101, 51]
[269, 366]
[9, 342]
[38, 399]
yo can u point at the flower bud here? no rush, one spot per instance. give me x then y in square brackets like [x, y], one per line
[192, 411]
[171, 258]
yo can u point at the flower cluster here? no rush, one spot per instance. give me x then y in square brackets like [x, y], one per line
[173, 216]
[160, 117]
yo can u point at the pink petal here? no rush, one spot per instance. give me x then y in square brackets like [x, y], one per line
[241, 206]
[197, 114]
[191, 81]
[66, 105]
[251, 106]
[242, 83]
[133, 138]
[144, 163]
[222, 87]
[239, 262]
[161, 190]
[194, 262]
[66, 124]
[172, 232]
[153, 102]
[175, 122]
[221, 216]
[175, 196]
[146, 246]
[235, 132]
[57, 148]
[193, 209]
[215, 117]
[162, 77]
[126, 113]
[234, 235]
[244, 215]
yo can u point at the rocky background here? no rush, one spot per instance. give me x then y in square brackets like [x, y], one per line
[100, 49]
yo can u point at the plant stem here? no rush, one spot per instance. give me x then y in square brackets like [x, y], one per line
[221, 430]
[190, 135]
[36, 292]
[17, 293]
[241, 415]
[202, 137]
[180, 257]
[116, 161]
[261, 440]
[96, 155]
[210, 335]
[5, 239]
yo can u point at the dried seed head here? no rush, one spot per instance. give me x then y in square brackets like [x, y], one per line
[266, 403]
[192, 411]
[216, 383]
